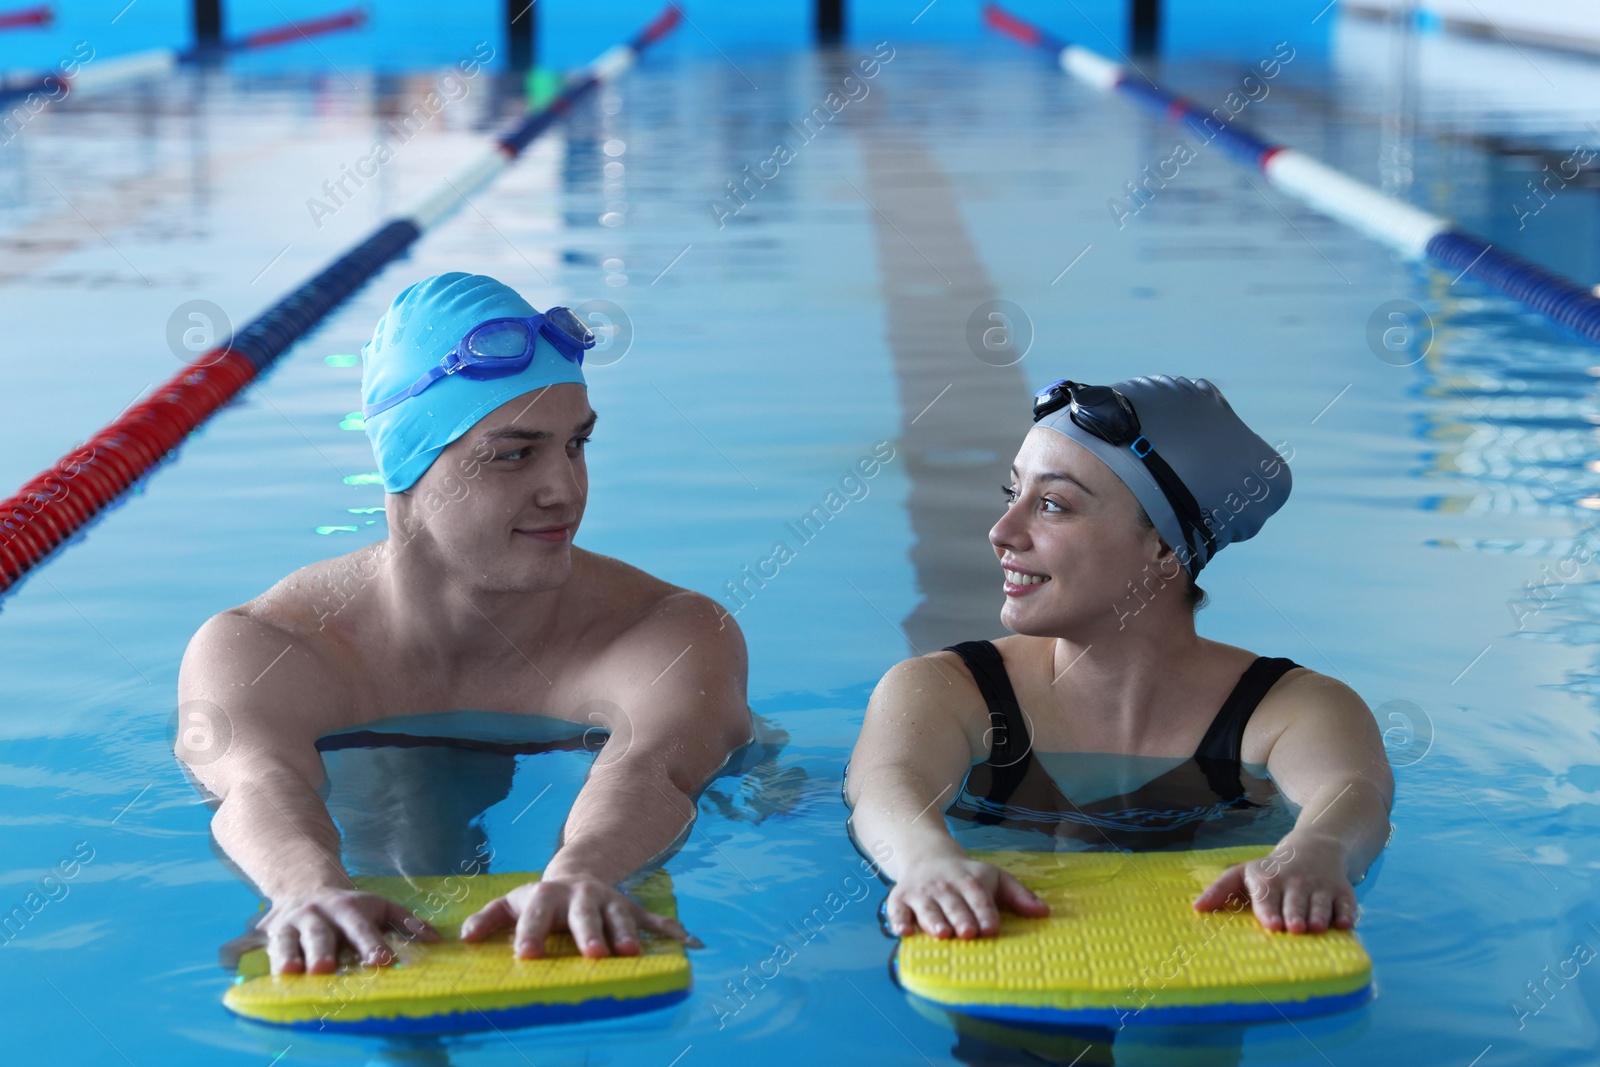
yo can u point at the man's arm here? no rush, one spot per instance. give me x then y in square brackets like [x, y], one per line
[918, 741]
[252, 701]
[1329, 759]
[675, 690]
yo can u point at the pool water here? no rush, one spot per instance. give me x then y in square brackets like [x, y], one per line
[757, 355]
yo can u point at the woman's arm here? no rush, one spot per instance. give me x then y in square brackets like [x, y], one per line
[1329, 759]
[925, 726]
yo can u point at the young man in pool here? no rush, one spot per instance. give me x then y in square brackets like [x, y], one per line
[478, 414]
[1118, 497]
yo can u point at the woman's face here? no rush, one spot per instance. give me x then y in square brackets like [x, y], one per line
[1070, 540]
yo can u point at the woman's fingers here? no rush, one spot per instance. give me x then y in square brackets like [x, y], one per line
[1266, 899]
[902, 921]
[1011, 893]
[930, 916]
[1229, 885]
[1296, 903]
[956, 911]
[975, 895]
[1320, 912]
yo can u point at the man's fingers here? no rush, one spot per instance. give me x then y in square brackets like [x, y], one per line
[283, 950]
[1344, 912]
[621, 929]
[406, 921]
[533, 926]
[495, 915]
[362, 932]
[319, 943]
[660, 924]
[588, 929]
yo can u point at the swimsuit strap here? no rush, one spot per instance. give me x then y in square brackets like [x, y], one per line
[1010, 745]
[1224, 739]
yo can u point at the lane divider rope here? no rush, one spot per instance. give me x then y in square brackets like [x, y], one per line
[1414, 233]
[120, 70]
[58, 502]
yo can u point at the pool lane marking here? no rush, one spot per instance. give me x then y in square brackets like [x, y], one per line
[899, 231]
[57, 503]
[1414, 233]
[932, 402]
[917, 223]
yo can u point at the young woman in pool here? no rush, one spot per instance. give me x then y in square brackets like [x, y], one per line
[1118, 497]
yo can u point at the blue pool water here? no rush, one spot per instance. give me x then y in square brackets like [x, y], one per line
[755, 363]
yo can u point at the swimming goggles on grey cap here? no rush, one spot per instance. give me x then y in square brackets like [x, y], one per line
[1106, 413]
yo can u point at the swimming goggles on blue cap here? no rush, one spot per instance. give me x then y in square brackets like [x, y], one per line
[1106, 413]
[499, 348]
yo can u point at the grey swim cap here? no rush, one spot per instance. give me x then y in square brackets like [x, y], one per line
[1237, 479]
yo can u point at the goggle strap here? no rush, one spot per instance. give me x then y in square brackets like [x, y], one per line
[433, 375]
[1184, 503]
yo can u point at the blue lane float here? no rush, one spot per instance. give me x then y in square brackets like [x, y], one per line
[1414, 233]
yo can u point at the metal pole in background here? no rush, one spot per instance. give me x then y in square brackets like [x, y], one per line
[522, 34]
[207, 23]
[1146, 26]
[830, 21]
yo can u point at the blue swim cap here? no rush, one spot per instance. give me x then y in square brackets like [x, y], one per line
[1236, 478]
[424, 323]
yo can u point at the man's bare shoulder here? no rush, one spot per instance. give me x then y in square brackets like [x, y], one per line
[303, 613]
[623, 599]
[320, 600]
[641, 611]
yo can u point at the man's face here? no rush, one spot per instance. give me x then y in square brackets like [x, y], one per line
[500, 505]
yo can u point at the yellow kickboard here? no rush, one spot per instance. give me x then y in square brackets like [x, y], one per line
[1122, 944]
[452, 986]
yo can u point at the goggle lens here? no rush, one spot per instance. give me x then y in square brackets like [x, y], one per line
[497, 341]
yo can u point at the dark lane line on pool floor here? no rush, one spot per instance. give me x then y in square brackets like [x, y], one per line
[961, 418]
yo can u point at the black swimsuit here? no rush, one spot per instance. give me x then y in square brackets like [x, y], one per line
[1013, 788]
